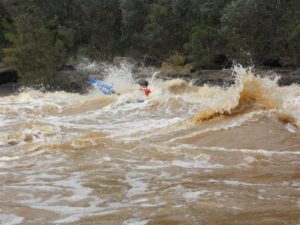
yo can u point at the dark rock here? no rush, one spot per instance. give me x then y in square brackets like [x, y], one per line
[2, 65]
[149, 61]
[8, 75]
[288, 76]
[189, 59]
[286, 80]
[73, 81]
[272, 62]
[214, 82]
[12, 143]
[222, 61]
[213, 77]
[8, 88]
[123, 60]
[144, 72]
[200, 77]
[66, 67]
[226, 78]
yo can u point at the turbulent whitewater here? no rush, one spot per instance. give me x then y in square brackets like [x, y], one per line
[186, 155]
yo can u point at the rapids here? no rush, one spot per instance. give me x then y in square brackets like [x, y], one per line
[187, 155]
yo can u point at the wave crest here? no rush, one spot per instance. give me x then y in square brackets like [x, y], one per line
[249, 94]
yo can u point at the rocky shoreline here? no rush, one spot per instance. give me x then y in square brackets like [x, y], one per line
[287, 76]
[73, 80]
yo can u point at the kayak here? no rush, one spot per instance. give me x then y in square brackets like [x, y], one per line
[106, 89]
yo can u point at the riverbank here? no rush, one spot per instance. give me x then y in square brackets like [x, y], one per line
[8, 88]
[287, 76]
[74, 80]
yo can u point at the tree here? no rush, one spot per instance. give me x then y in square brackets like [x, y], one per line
[4, 17]
[105, 23]
[134, 18]
[182, 22]
[203, 46]
[158, 31]
[43, 35]
[36, 49]
[261, 30]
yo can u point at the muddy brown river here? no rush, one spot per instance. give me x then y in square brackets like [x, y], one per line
[187, 155]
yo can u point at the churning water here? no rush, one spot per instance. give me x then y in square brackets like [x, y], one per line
[186, 155]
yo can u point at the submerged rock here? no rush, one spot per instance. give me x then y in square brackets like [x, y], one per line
[72, 80]
[8, 75]
[123, 60]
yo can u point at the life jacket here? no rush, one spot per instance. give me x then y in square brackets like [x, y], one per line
[146, 90]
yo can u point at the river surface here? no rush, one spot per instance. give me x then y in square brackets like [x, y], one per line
[187, 155]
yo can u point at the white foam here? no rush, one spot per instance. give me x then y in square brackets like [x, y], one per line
[75, 185]
[136, 222]
[153, 165]
[291, 128]
[61, 192]
[254, 151]
[138, 186]
[249, 159]
[195, 164]
[260, 197]
[8, 165]
[10, 219]
[194, 195]
[239, 183]
[106, 158]
[6, 158]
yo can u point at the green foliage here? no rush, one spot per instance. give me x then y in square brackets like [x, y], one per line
[42, 35]
[182, 22]
[293, 48]
[104, 22]
[3, 17]
[35, 52]
[176, 59]
[203, 46]
[259, 30]
[157, 30]
[236, 28]
[134, 18]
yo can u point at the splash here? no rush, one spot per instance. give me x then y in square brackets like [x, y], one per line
[250, 93]
[73, 158]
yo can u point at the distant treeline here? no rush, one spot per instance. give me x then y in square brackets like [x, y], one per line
[39, 37]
